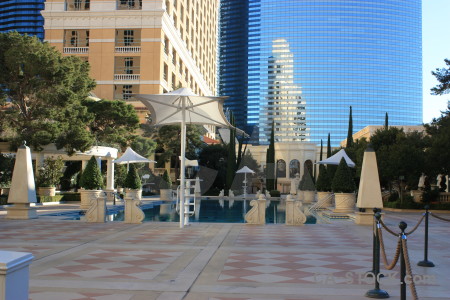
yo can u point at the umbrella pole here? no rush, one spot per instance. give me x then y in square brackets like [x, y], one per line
[183, 163]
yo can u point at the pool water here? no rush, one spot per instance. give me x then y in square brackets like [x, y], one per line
[220, 211]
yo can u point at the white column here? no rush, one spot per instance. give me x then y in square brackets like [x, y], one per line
[183, 162]
[109, 173]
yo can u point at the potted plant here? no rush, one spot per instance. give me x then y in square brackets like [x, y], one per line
[133, 184]
[49, 176]
[323, 186]
[165, 185]
[91, 183]
[308, 187]
[344, 188]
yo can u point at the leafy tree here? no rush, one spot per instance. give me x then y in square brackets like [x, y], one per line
[113, 122]
[438, 155]
[399, 154]
[270, 162]
[343, 179]
[45, 91]
[51, 172]
[350, 129]
[91, 178]
[6, 169]
[168, 140]
[133, 181]
[143, 146]
[443, 76]
[120, 175]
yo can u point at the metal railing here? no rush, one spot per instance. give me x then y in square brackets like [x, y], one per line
[128, 49]
[127, 77]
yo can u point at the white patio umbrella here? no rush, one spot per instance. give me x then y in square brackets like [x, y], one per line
[130, 156]
[335, 159]
[245, 170]
[180, 107]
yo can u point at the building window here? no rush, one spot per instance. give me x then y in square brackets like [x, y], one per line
[166, 46]
[281, 168]
[127, 90]
[294, 168]
[128, 63]
[129, 4]
[165, 72]
[128, 37]
[74, 5]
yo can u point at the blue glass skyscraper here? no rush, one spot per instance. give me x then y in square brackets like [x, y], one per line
[22, 16]
[302, 63]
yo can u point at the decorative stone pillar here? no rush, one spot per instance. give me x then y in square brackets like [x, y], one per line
[87, 196]
[294, 213]
[257, 214]
[23, 191]
[14, 275]
[97, 210]
[109, 178]
[133, 213]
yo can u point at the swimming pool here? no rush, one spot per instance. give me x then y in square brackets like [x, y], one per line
[206, 210]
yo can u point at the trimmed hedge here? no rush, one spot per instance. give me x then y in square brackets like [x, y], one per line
[56, 198]
[91, 179]
[132, 181]
[343, 179]
[70, 196]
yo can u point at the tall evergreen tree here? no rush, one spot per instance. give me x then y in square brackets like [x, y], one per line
[231, 160]
[270, 162]
[321, 149]
[386, 122]
[350, 130]
[329, 146]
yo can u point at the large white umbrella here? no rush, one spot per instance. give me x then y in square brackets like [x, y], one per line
[335, 159]
[180, 107]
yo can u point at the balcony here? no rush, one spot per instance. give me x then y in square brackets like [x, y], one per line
[128, 49]
[76, 50]
[127, 77]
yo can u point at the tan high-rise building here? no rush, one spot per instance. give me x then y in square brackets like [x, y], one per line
[138, 46]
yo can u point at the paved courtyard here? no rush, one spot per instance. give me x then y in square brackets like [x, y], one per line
[218, 261]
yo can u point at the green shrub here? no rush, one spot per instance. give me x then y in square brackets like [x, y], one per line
[275, 193]
[133, 181]
[323, 183]
[165, 182]
[56, 198]
[343, 179]
[307, 183]
[3, 200]
[91, 179]
[70, 196]
[51, 172]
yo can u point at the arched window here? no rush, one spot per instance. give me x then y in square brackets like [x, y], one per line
[308, 165]
[281, 168]
[294, 168]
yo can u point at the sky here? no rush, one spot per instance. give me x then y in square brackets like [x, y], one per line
[435, 47]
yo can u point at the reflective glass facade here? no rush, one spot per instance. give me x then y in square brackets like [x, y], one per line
[22, 16]
[303, 63]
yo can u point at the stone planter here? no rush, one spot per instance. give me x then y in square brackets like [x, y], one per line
[47, 191]
[86, 196]
[344, 202]
[300, 195]
[325, 199]
[165, 194]
[133, 194]
[417, 196]
[308, 196]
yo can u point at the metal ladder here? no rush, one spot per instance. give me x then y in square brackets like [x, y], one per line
[189, 199]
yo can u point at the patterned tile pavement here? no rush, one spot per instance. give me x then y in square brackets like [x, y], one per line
[158, 261]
